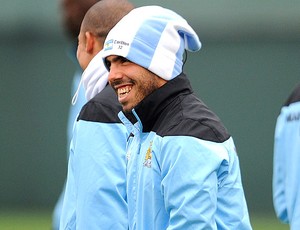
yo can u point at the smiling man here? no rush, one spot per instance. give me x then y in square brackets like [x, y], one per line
[183, 171]
[134, 86]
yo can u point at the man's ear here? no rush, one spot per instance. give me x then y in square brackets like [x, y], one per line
[90, 42]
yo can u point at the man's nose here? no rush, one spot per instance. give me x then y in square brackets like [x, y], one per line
[114, 73]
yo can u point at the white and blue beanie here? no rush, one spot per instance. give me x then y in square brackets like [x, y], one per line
[154, 38]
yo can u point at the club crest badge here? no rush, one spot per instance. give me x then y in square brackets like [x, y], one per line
[148, 157]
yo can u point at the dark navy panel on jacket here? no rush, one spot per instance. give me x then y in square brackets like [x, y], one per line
[294, 97]
[104, 107]
[175, 110]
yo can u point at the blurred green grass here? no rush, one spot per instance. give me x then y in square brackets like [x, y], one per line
[25, 219]
[266, 221]
[35, 219]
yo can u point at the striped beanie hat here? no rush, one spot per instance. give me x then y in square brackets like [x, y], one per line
[154, 38]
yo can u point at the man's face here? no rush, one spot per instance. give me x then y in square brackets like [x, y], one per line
[131, 82]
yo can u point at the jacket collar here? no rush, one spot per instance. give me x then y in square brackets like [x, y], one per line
[149, 109]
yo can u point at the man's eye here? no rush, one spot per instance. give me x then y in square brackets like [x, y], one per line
[107, 64]
[123, 60]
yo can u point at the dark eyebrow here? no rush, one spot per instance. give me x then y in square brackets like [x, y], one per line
[107, 62]
[117, 59]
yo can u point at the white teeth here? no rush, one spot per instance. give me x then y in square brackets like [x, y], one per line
[124, 90]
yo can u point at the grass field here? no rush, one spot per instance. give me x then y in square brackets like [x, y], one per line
[41, 220]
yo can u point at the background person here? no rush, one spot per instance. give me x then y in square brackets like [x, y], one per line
[72, 12]
[183, 170]
[95, 196]
[286, 171]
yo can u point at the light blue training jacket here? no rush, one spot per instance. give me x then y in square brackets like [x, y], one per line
[183, 171]
[95, 195]
[286, 171]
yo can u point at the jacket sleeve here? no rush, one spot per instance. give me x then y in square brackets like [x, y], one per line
[99, 175]
[194, 173]
[68, 212]
[279, 171]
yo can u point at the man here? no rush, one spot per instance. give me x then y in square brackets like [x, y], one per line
[286, 171]
[183, 171]
[73, 12]
[95, 196]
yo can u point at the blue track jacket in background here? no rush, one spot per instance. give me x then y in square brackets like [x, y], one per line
[95, 196]
[183, 171]
[286, 171]
[73, 114]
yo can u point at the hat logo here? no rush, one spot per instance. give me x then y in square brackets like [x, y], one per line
[108, 45]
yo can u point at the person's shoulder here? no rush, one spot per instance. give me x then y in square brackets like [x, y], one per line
[107, 93]
[294, 96]
[193, 118]
[104, 107]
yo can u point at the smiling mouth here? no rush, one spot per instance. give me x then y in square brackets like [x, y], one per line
[123, 91]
